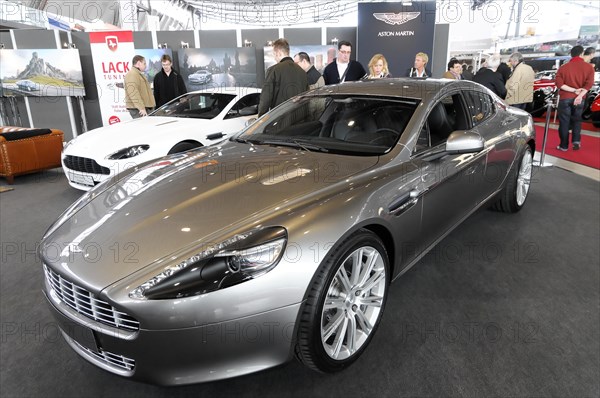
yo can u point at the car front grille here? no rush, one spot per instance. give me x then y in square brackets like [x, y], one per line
[85, 165]
[85, 303]
[109, 358]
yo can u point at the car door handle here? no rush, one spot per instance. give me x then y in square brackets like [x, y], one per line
[404, 202]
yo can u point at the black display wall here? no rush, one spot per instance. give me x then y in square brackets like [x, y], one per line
[54, 112]
[218, 39]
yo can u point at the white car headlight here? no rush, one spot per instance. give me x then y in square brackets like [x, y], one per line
[236, 260]
[129, 152]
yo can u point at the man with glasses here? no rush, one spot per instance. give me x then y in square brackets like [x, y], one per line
[343, 69]
[168, 83]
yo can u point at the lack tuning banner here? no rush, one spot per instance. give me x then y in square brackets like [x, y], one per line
[112, 53]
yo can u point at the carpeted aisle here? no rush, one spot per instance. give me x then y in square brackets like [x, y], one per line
[587, 155]
[505, 306]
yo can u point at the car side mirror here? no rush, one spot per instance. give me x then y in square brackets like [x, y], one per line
[249, 110]
[464, 141]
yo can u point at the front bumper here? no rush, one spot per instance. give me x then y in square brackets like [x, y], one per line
[181, 356]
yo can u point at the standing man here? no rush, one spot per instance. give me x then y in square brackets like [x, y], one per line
[574, 79]
[284, 79]
[168, 84]
[139, 100]
[505, 71]
[420, 67]
[519, 86]
[489, 77]
[588, 54]
[343, 69]
[315, 80]
[454, 70]
[466, 72]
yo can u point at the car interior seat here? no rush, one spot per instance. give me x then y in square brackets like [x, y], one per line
[439, 126]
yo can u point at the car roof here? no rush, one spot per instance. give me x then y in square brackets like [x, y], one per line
[238, 90]
[396, 87]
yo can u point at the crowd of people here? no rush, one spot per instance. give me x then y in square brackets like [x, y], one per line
[292, 76]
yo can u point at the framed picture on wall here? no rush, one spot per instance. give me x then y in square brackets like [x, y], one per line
[41, 73]
[203, 68]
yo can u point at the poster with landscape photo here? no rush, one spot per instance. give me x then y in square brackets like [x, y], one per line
[41, 73]
[153, 64]
[320, 56]
[206, 68]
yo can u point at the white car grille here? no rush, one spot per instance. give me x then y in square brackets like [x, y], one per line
[85, 303]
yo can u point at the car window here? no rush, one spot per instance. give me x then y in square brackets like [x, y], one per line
[198, 105]
[481, 106]
[446, 116]
[340, 124]
[246, 106]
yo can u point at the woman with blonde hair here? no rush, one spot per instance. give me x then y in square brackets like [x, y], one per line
[378, 67]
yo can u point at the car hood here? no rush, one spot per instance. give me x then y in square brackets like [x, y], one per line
[147, 130]
[177, 205]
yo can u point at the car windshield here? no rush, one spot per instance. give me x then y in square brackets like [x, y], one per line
[198, 105]
[357, 125]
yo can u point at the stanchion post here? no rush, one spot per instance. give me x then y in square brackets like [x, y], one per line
[546, 127]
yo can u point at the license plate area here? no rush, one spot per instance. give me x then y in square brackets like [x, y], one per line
[77, 332]
[81, 179]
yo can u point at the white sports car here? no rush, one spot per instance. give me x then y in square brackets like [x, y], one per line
[195, 119]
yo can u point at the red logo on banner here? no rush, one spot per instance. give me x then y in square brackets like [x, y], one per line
[112, 42]
[113, 120]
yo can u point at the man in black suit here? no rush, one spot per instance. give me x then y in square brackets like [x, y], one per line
[343, 69]
[491, 79]
[284, 79]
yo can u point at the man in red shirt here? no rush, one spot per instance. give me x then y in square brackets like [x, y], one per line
[574, 79]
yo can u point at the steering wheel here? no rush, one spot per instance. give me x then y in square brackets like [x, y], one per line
[386, 136]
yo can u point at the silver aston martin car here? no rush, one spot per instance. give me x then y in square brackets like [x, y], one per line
[283, 241]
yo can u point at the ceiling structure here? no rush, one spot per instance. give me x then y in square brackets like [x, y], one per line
[476, 29]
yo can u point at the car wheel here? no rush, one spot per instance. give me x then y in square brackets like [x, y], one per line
[596, 119]
[344, 304]
[513, 196]
[183, 146]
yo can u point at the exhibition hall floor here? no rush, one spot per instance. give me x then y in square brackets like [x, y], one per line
[505, 306]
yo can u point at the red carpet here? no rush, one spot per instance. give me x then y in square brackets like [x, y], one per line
[585, 125]
[588, 155]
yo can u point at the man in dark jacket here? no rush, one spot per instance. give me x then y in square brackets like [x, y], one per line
[284, 80]
[488, 77]
[315, 79]
[505, 71]
[168, 84]
[343, 69]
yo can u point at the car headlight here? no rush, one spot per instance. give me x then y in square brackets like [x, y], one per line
[68, 144]
[129, 152]
[236, 260]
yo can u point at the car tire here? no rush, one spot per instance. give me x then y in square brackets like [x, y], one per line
[514, 194]
[184, 146]
[331, 337]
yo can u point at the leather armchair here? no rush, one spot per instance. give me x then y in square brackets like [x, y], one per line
[26, 150]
